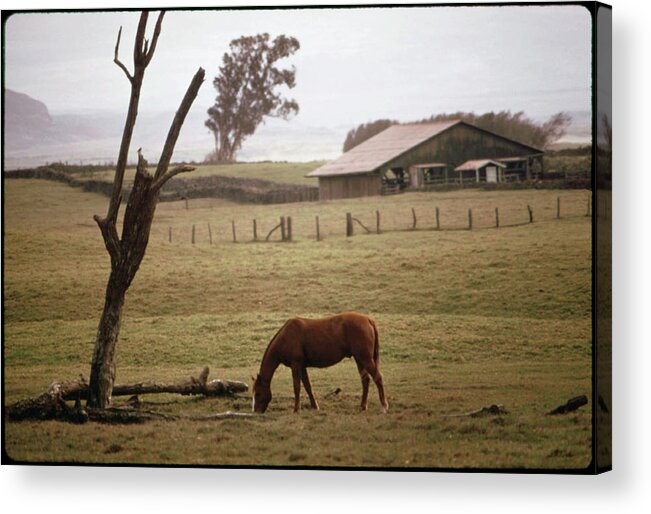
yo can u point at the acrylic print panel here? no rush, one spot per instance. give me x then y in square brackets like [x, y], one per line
[388, 211]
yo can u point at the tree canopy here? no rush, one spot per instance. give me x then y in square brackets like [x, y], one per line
[515, 126]
[366, 131]
[249, 87]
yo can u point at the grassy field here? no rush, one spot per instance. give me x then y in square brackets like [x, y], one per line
[466, 319]
[283, 172]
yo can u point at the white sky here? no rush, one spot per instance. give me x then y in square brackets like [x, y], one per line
[354, 65]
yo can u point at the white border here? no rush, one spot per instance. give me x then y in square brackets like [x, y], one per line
[626, 489]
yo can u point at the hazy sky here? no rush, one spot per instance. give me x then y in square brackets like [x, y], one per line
[354, 65]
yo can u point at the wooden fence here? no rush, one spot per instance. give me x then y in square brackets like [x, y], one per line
[349, 224]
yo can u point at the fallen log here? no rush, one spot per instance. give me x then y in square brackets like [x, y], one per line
[52, 404]
[493, 410]
[126, 416]
[191, 386]
[571, 405]
[49, 405]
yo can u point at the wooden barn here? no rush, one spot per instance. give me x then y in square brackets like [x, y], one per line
[426, 154]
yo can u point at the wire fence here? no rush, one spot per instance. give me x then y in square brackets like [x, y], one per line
[311, 225]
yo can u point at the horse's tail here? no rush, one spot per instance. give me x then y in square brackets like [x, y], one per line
[376, 344]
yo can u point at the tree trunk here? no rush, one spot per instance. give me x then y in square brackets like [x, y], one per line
[102, 373]
[225, 151]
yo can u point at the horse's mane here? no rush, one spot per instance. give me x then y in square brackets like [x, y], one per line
[272, 340]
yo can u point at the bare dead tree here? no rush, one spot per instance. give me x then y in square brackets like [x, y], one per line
[127, 251]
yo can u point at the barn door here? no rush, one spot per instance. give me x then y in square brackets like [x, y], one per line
[491, 173]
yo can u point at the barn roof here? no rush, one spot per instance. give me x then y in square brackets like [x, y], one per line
[385, 146]
[477, 164]
[389, 144]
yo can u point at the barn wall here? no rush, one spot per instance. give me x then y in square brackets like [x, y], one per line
[457, 145]
[350, 186]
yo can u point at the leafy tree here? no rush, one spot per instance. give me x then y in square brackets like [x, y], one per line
[248, 90]
[366, 131]
[512, 125]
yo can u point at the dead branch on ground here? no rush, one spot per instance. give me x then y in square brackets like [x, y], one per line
[52, 403]
[571, 405]
[493, 410]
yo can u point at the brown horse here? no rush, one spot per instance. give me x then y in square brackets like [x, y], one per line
[302, 343]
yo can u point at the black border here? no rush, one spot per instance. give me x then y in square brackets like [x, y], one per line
[591, 469]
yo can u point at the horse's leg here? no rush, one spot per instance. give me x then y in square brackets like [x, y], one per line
[375, 374]
[296, 375]
[308, 388]
[365, 381]
[379, 382]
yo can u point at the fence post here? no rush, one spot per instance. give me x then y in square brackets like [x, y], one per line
[255, 230]
[469, 219]
[192, 234]
[187, 205]
[558, 207]
[438, 221]
[209, 233]
[289, 228]
[413, 215]
[170, 234]
[530, 210]
[234, 234]
[349, 224]
[377, 221]
[318, 234]
[283, 234]
[497, 217]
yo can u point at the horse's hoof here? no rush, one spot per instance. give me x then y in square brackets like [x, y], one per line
[384, 409]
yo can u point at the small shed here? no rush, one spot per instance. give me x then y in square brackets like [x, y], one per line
[428, 174]
[480, 170]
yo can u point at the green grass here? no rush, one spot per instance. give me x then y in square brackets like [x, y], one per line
[467, 319]
[283, 172]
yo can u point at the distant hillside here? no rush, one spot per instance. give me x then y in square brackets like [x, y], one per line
[29, 125]
[26, 120]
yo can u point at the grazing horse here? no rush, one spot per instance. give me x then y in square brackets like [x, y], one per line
[302, 343]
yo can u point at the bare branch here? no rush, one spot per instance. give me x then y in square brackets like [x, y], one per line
[132, 114]
[117, 61]
[138, 56]
[110, 236]
[179, 118]
[160, 182]
[149, 54]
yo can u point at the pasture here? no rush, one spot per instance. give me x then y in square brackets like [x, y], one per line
[283, 172]
[466, 319]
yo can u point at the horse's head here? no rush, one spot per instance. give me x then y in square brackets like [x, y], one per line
[261, 394]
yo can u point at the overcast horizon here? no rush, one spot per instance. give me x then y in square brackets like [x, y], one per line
[354, 65]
